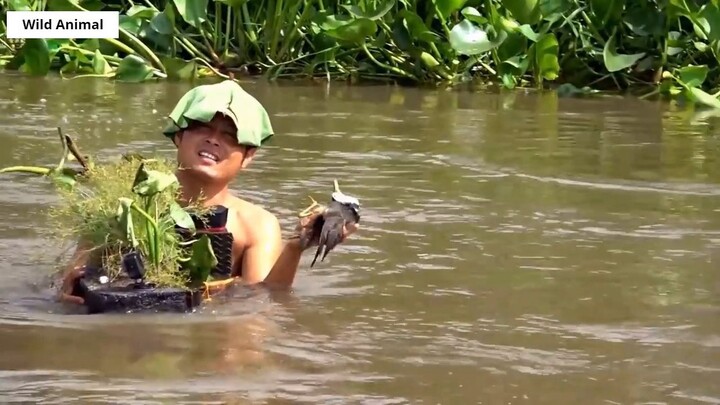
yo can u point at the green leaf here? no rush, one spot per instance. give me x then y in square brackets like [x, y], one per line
[194, 12]
[606, 12]
[328, 22]
[151, 182]
[710, 13]
[162, 23]
[374, 13]
[401, 35]
[700, 46]
[469, 39]
[428, 60]
[236, 4]
[133, 69]
[546, 57]
[354, 31]
[645, 20]
[37, 56]
[675, 43]
[141, 12]
[100, 65]
[63, 180]
[447, 7]
[516, 66]
[508, 80]
[202, 259]
[91, 44]
[92, 5]
[417, 28]
[525, 11]
[615, 61]
[704, 98]
[472, 14]
[181, 217]
[130, 24]
[517, 62]
[179, 69]
[693, 76]
[74, 5]
[125, 220]
[19, 5]
[70, 67]
[553, 9]
[515, 46]
[148, 33]
[528, 32]
[54, 45]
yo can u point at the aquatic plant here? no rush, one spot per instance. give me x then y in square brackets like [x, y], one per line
[668, 47]
[125, 206]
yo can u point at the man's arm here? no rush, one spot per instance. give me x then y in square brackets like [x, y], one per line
[269, 260]
[82, 256]
[273, 262]
[285, 267]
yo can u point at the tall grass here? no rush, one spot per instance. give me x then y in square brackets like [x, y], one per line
[669, 47]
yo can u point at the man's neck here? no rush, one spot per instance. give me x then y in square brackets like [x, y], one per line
[193, 188]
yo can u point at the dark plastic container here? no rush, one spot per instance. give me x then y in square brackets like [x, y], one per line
[132, 294]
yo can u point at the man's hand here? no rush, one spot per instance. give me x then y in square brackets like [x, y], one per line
[68, 285]
[305, 228]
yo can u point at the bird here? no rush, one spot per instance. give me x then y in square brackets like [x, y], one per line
[343, 210]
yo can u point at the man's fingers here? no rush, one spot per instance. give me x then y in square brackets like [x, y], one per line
[351, 228]
[307, 220]
[348, 230]
[72, 299]
[70, 279]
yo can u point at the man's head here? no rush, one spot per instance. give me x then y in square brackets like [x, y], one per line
[217, 128]
[211, 150]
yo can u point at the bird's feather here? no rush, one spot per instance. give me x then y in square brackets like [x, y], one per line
[329, 237]
[335, 218]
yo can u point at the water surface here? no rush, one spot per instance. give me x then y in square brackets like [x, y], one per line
[516, 248]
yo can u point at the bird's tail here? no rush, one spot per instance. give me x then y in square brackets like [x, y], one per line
[329, 238]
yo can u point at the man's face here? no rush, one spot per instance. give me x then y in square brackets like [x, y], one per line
[211, 150]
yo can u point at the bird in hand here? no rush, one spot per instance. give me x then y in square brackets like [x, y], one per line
[328, 226]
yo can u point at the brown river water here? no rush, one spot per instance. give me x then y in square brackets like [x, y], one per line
[516, 248]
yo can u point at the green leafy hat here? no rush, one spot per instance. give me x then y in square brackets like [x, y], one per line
[201, 103]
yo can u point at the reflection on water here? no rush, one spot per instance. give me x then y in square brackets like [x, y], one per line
[515, 248]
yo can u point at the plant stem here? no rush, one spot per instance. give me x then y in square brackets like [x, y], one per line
[27, 169]
[148, 53]
[151, 238]
[387, 67]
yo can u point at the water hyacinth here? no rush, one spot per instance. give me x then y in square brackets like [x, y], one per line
[129, 204]
[649, 45]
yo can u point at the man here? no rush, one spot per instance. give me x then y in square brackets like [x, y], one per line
[217, 129]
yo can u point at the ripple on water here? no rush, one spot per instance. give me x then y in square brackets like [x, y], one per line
[262, 385]
[478, 209]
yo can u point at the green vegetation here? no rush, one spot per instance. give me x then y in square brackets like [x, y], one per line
[668, 47]
[127, 205]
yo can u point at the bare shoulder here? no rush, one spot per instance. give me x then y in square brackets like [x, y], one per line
[256, 221]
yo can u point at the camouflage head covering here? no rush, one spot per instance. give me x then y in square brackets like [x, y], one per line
[201, 103]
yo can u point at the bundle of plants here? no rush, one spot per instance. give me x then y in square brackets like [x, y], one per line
[144, 250]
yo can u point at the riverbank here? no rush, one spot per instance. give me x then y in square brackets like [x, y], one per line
[668, 50]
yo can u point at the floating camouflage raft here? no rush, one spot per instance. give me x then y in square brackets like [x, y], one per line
[156, 255]
[131, 293]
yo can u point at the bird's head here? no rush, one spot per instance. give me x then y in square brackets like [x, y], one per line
[346, 200]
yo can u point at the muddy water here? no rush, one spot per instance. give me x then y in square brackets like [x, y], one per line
[516, 249]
